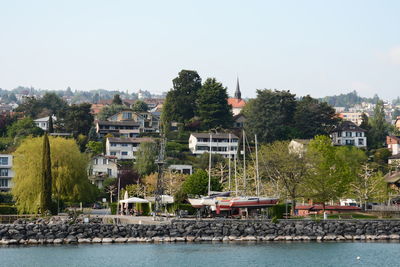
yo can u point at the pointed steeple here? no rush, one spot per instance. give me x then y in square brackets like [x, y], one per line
[238, 94]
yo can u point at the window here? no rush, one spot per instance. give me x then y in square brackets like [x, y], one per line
[126, 115]
[339, 134]
[109, 172]
[113, 144]
[339, 141]
[3, 160]
[348, 134]
[124, 144]
[360, 141]
[350, 142]
[3, 182]
[104, 161]
[90, 172]
[124, 153]
[4, 172]
[96, 161]
[113, 153]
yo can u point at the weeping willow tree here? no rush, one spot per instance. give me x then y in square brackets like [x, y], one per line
[68, 169]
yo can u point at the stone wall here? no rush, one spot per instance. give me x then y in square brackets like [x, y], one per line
[204, 230]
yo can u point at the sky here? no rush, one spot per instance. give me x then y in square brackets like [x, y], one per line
[315, 47]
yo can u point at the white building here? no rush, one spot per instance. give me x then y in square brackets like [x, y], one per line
[222, 143]
[6, 172]
[348, 133]
[183, 169]
[43, 123]
[124, 148]
[101, 168]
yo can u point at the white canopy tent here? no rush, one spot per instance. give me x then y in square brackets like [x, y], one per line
[134, 200]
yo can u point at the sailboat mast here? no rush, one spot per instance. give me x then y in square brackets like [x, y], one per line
[229, 163]
[236, 181]
[209, 168]
[244, 162]
[257, 173]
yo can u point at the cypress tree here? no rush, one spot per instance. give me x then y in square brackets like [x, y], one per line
[51, 127]
[45, 200]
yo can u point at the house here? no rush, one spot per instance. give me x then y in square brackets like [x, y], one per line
[355, 117]
[102, 167]
[348, 133]
[43, 123]
[124, 148]
[149, 122]
[224, 144]
[237, 102]
[183, 169]
[306, 210]
[118, 128]
[6, 172]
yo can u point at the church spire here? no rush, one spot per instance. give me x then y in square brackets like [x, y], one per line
[238, 94]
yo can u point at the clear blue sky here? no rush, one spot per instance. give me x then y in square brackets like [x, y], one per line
[315, 47]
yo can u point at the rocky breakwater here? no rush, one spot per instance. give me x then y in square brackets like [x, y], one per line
[193, 231]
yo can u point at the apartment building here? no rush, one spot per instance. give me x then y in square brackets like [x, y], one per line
[6, 172]
[124, 148]
[221, 143]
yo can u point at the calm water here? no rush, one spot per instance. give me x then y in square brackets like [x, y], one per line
[218, 254]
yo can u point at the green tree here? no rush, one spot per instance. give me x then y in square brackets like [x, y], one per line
[95, 147]
[108, 111]
[379, 127]
[46, 179]
[140, 106]
[180, 102]
[68, 169]
[270, 115]
[332, 169]
[197, 184]
[117, 100]
[212, 105]
[51, 126]
[145, 158]
[52, 102]
[287, 168]
[313, 118]
[23, 128]
[77, 120]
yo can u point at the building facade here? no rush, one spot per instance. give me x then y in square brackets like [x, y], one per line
[349, 134]
[221, 143]
[6, 172]
[355, 117]
[124, 148]
[102, 167]
[43, 123]
[237, 103]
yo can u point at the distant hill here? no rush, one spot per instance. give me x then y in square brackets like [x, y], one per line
[348, 100]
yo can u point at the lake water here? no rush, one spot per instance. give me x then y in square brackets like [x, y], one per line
[205, 254]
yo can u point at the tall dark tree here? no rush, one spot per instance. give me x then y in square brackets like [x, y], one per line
[313, 118]
[51, 126]
[270, 115]
[212, 105]
[117, 100]
[77, 120]
[45, 197]
[180, 102]
[379, 127]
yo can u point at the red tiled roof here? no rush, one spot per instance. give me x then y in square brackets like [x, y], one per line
[236, 103]
[328, 207]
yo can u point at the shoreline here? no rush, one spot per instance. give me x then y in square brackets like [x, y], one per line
[40, 232]
[205, 239]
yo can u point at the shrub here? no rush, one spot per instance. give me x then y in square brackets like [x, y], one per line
[6, 198]
[278, 211]
[188, 207]
[113, 207]
[8, 209]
